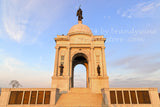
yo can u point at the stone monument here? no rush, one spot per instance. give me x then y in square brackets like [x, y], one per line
[79, 46]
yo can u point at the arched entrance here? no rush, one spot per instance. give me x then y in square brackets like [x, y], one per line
[80, 58]
[80, 76]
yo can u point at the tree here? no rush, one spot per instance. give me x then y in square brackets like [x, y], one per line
[15, 84]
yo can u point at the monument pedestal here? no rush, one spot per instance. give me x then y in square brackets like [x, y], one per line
[61, 82]
[98, 83]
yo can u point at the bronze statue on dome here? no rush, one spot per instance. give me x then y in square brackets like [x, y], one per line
[79, 14]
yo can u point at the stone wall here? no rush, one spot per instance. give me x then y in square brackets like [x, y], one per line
[139, 97]
[28, 96]
[0, 94]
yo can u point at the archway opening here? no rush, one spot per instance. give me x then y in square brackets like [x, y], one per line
[80, 70]
[80, 76]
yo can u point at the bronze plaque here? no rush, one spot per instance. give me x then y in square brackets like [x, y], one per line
[19, 97]
[26, 97]
[143, 97]
[126, 97]
[16, 97]
[119, 96]
[33, 97]
[133, 97]
[113, 97]
[12, 98]
[40, 97]
[140, 97]
[146, 97]
[47, 97]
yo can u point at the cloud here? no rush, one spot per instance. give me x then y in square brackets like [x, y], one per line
[140, 64]
[27, 19]
[29, 76]
[11, 64]
[131, 79]
[14, 19]
[134, 82]
[144, 9]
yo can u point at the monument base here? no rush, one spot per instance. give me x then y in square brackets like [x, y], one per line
[83, 97]
[61, 82]
[98, 83]
[95, 83]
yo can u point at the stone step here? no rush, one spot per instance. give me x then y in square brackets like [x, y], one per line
[80, 90]
[80, 97]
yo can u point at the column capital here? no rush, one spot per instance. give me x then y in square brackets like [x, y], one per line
[68, 47]
[103, 47]
[57, 47]
[92, 47]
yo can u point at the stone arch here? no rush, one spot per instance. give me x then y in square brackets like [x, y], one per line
[80, 58]
[81, 50]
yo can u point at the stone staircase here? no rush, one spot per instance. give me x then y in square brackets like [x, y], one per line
[80, 97]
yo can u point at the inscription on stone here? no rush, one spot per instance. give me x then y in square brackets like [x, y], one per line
[113, 97]
[15, 97]
[143, 97]
[19, 97]
[133, 97]
[47, 97]
[126, 97]
[33, 97]
[29, 97]
[119, 96]
[40, 97]
[26, 97]
[12, 97]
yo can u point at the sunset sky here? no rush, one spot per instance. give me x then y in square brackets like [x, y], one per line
[131, 29]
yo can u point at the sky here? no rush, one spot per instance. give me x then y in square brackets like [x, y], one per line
[131, 29]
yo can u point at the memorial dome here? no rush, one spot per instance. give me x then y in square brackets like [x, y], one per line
[80, 29]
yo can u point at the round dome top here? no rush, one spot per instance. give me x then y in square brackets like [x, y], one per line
[80, 29]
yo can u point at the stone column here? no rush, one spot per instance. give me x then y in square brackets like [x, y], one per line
[87, 79]
[68, 62]
[56, 61]
[70, 69]
[92, 61]
[90, 66]
[104, 62]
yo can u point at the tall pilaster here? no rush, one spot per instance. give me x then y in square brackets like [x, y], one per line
[56, 62]
[92, 61]
[104, 62]
[68, 61]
